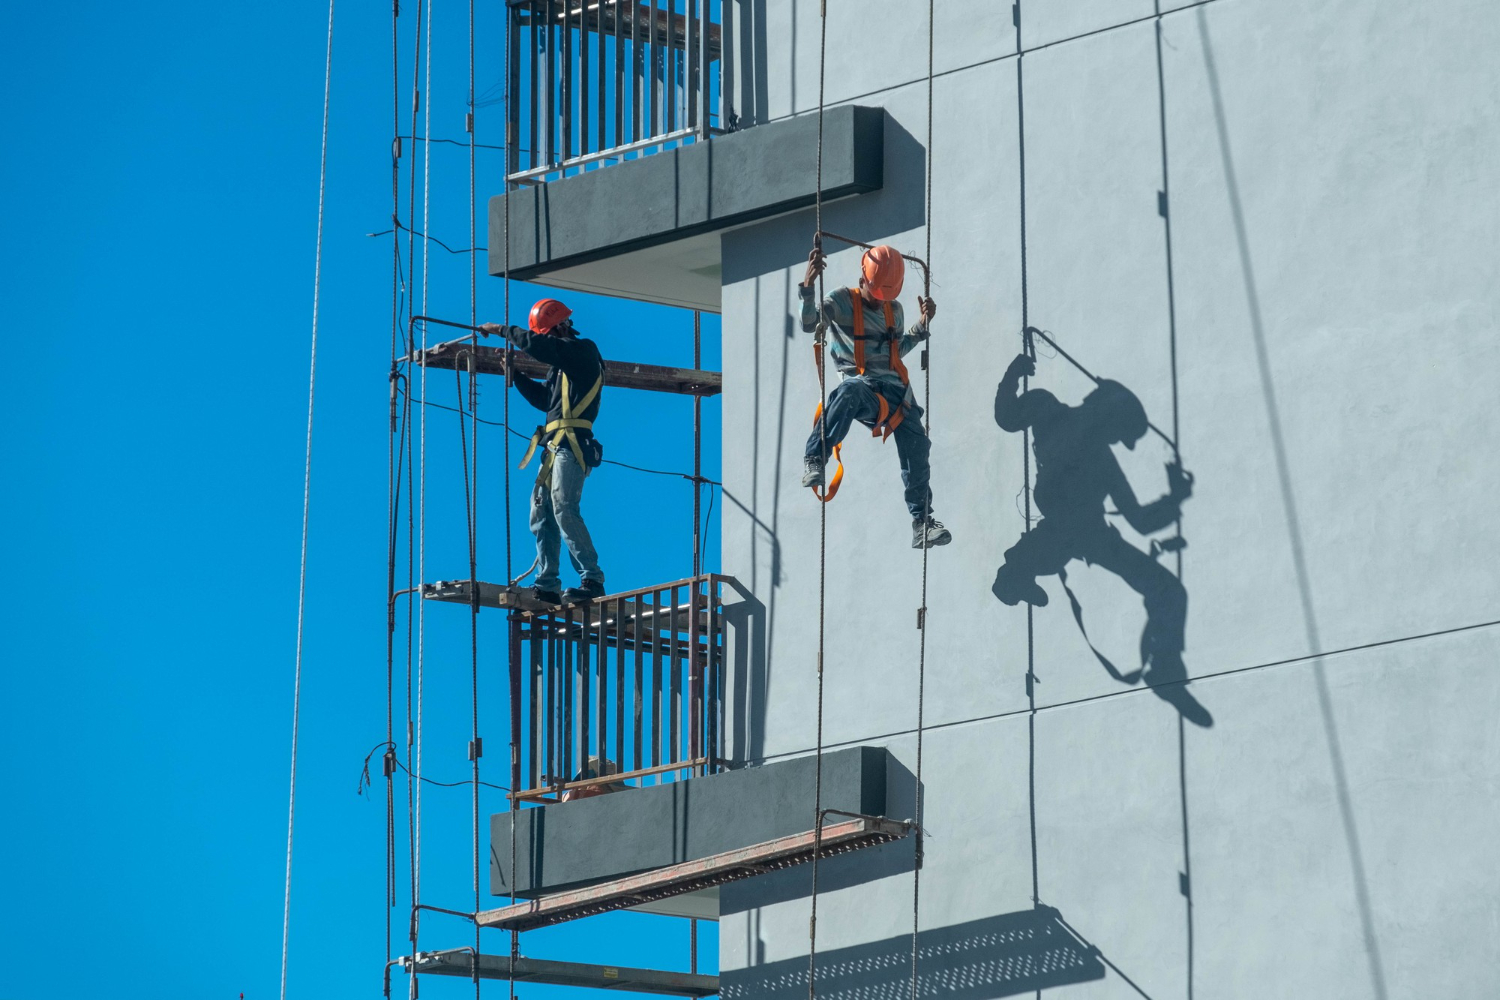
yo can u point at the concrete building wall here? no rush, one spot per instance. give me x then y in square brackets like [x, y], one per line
[1312, 306]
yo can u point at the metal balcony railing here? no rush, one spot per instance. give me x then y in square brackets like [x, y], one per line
[626, 689]
[600, 80]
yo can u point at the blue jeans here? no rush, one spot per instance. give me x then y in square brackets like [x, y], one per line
[555, 517]
[854, 399]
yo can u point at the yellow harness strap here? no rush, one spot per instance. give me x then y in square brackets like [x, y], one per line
[564, 428]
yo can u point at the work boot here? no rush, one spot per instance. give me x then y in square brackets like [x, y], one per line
[812, 471]
[927, 532]
[1012, 588]
[587, 590]
[547, 596]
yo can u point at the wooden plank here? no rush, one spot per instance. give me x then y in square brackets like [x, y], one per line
[458, 962]
[617, 374]
[608, 779]
[837, 838]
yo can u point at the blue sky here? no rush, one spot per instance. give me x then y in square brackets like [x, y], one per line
[157, 264]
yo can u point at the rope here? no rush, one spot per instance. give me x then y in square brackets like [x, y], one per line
[415, 779]
[475, 746]
[812, 924]
[916, 873]
[515, 743]
[312, 371]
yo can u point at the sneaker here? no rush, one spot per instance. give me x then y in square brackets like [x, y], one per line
[586, 591]
[812, 471]
[1012, 588]
[929, 532]
[547, 596]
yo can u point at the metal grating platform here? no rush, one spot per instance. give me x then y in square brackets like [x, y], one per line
[490, 360]
[849, 834]
[458, 962]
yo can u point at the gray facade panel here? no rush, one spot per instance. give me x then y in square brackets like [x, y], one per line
[1284, 244]
[569, 844]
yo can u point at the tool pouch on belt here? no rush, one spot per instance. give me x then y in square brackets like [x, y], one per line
[593, 453]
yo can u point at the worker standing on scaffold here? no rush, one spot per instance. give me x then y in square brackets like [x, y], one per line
[875, 388]
[570, 398]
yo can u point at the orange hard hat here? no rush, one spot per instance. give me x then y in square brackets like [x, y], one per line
[884, 271]
[547, 313]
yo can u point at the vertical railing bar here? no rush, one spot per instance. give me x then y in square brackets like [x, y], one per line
[570, 684]
[550, 119]
[711, 713]
[640, 687]
[620, 682]
[669, 83]
[566, 100]
[656, 651]
[512, 91]
[619, 79]
[726, 65]
[554, 722]
[638, 69]
[695, 676]
[689, 77]
[583, 77]
[705, 61]
[602, 102]
[601, 668]
[653, 53]
[586, 699]
[537, 741]
[675, 707]
[514, 650]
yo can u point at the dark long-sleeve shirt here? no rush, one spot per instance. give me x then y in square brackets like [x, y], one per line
[578, 357]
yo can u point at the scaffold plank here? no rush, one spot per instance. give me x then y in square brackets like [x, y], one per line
[458, 962]
[490, 360]
[839, 837]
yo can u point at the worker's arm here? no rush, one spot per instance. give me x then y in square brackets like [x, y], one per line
[531, 390]
[919, 331]
[1156, 515]
[1015, 410]
[577, 359]
[807, 291]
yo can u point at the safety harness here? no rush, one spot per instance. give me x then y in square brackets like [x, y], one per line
[888, 419]
[564, 428]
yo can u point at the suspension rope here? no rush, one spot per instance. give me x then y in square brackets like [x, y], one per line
[812, 923]
[475, 746]
[916, 873]
[415, 780]
[312, 372]
[515, 737]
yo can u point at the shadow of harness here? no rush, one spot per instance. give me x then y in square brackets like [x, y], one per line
[888, 419]
[565, 429]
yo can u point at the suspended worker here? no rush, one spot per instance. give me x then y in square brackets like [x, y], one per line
[570, 398]
[867, 344]
[1075, 473]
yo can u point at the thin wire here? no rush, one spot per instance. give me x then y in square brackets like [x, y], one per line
[312, 372]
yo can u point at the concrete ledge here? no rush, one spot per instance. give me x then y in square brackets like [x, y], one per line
[573, 844]
[676, 195]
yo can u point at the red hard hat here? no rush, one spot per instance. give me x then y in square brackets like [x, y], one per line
[546, 314]
[884, 272]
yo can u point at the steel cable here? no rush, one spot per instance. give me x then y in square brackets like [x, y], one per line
[312, 372]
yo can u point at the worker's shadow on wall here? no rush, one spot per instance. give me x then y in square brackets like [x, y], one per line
[980, 960]
[1076, 473]
[898, 207]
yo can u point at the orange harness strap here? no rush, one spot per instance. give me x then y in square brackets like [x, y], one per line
[887, 420]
